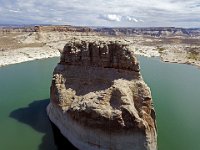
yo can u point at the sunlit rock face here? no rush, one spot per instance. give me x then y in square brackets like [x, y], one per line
[99, 100]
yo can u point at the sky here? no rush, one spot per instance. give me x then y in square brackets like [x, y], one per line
[111, 13]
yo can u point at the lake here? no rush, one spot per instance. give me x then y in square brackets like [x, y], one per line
[24, 95]
[176, 93]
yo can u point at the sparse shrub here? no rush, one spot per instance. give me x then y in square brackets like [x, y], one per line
[160, 49]
[193, 54]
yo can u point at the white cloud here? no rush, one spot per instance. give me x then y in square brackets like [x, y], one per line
[131, 19]
[102, 12]
[15, 11]
[118, 18]
[111, 17]
[141, 20]
[128, 18]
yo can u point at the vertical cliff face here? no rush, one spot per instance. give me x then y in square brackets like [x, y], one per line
[99, 100]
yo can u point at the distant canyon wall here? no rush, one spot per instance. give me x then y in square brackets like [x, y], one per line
[147, 31]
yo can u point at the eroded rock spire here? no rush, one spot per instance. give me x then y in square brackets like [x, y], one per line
[99, 100]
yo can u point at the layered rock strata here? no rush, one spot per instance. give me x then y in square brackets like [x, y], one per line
[99, 100]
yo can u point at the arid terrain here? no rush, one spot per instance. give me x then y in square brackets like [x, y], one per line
[175, 45]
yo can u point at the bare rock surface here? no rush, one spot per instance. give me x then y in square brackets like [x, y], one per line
[46, 41]
[99, 99]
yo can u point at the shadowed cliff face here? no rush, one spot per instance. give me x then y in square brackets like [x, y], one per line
[97, 87]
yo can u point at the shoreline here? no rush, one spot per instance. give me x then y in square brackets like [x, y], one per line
[30, 54]
[180, 61]
[25, 47]
[18, 47]
[171, 61]
[26, 54]
[167, 56]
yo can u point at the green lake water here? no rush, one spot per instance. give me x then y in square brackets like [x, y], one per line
[176, 93]
[24, 95]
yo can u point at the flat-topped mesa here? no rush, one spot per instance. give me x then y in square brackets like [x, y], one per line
[99, 100]
[61, 28]
[99, 54]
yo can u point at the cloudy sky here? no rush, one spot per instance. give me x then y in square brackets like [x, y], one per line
[131, 13]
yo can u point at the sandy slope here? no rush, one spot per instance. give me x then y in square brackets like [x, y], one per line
[26, 54]
[21, 47]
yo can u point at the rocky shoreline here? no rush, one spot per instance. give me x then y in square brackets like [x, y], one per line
[30, 54]
[180, 60]
[26, 54]
[17, 47]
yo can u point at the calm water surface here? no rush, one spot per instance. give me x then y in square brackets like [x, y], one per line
[176, 94]
[24, 94]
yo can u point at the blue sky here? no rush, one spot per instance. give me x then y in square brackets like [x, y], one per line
[130, 13]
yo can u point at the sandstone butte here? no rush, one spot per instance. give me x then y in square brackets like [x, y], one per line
[98, 98]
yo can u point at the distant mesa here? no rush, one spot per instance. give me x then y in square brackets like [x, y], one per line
[64, 28]
[150, 31]
[112, 31]
[99, 99]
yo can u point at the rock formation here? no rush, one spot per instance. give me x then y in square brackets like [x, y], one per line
[99, 100]
[123, 31]
[62, 28]
[151, 31]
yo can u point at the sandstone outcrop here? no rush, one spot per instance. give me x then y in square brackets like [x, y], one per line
[62, 28]
[99, 100]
